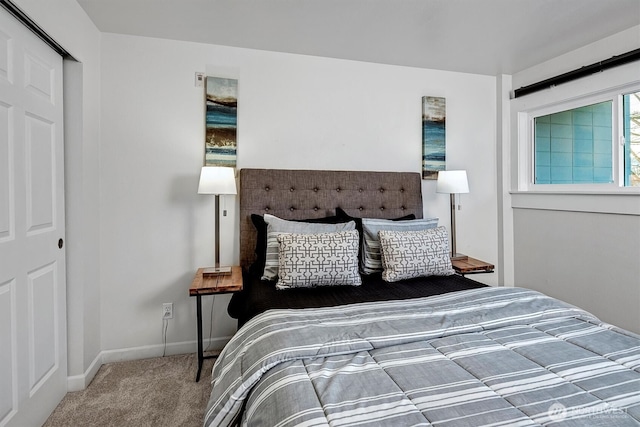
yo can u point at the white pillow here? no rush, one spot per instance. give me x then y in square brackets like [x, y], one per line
[370, 258]
[325, 259]
[277, 225]
[408, 254]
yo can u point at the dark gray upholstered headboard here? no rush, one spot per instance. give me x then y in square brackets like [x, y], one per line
[301, 194]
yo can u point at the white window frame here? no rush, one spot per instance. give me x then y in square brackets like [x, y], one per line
[526, 138]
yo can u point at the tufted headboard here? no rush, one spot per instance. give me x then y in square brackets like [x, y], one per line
[301, 194]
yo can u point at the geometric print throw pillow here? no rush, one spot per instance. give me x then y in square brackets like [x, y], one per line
[322, 259]
[408, 254]
[370, 260]
[277, 225]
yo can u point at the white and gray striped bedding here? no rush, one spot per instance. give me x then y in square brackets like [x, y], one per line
[489, 356]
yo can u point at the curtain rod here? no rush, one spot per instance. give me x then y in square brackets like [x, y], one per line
[587, 70]
[35, 28]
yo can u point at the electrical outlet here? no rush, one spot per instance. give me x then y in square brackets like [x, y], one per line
[199, 81]
[167, 310]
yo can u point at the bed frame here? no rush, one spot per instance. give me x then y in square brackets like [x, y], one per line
[301, 194]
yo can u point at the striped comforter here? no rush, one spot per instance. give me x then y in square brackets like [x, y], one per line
[490, 356]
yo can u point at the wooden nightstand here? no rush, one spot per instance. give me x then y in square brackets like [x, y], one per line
[471, 266]
[211, 285]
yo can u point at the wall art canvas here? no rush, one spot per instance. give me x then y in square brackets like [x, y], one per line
[221, 122]
[433, 136]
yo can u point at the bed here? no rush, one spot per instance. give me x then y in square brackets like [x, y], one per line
[386, 350]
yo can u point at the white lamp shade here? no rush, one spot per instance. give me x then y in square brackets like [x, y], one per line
[452, 182]
[217, 180]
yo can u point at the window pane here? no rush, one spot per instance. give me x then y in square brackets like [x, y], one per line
[631, 116]
[574, 146]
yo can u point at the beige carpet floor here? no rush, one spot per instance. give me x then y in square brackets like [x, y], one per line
[151, 392]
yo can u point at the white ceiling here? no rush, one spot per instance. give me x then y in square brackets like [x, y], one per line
[474, 36]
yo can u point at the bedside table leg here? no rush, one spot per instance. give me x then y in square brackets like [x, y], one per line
[199, 321]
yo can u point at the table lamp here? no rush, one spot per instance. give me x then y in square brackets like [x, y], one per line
[219, 181]
[453, 182]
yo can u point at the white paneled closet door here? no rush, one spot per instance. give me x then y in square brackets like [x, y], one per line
[33, 337]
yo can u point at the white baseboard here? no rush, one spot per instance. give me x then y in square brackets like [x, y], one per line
[156, 350]
[80, 382]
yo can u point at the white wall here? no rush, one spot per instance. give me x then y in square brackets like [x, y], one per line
[66, 22]
[588, 259]
[616, 44]
[582, 248]
[294, 112]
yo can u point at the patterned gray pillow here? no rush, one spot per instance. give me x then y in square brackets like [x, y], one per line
[408, 254]
[370, 259]
[277, 225]
[324, 259]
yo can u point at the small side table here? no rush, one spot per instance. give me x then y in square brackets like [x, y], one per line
[471, 266]
[212, 285]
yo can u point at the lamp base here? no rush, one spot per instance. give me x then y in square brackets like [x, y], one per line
[216, 271]
[458, 257]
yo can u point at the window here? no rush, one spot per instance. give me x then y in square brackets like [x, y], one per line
[578, 145]
[631, 120]
[574, 146]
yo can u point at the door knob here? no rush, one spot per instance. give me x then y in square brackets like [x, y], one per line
[60, 243]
